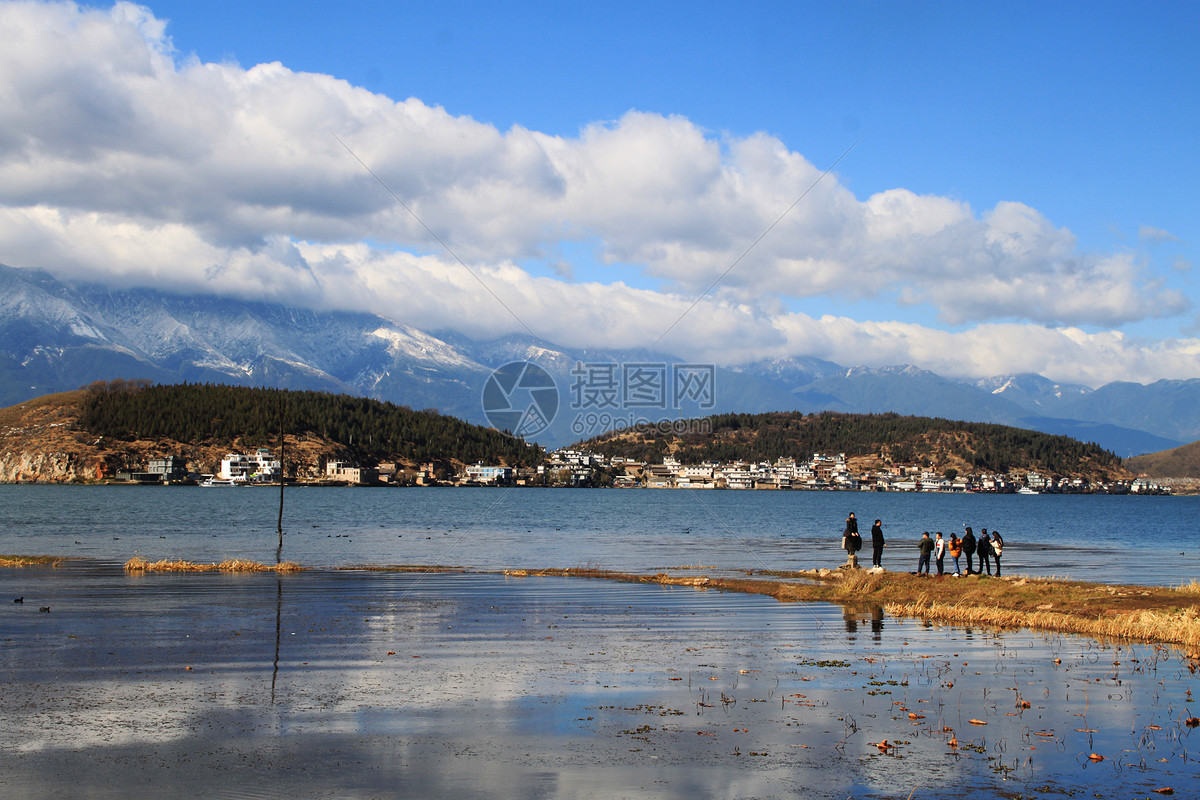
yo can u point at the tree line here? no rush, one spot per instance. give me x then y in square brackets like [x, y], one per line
[897, 439]
[370, 430]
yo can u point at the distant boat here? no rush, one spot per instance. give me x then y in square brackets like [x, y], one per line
[1027, 490]
[212, 480]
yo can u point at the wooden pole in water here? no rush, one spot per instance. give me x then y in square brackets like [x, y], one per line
[282, 481]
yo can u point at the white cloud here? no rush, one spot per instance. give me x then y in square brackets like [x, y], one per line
[1148, 233]
[122, 162]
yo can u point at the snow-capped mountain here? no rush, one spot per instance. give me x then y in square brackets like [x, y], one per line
[1033, 392]
[56, 336]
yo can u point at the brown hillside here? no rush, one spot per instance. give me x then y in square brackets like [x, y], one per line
[41, 441]
[1182, 462]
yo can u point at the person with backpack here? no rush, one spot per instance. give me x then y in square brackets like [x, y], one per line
[851, 541]
[985, 552]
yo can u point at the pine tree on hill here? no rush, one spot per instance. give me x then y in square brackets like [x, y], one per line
[372, 430]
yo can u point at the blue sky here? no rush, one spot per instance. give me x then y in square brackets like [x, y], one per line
[1085, 111]
[1033, 169]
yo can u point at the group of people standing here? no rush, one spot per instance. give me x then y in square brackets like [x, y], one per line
[988, 547]
[852, 541]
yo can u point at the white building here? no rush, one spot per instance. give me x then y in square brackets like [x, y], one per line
[261, 467]
[351, 473]
[480, 473]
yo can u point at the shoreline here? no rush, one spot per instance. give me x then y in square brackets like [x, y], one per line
[1118, 612]
[1168, 487]
[1149, 615]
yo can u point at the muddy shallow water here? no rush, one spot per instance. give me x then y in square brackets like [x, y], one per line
[354, 684]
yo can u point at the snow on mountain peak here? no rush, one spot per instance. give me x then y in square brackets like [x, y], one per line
[405, 341]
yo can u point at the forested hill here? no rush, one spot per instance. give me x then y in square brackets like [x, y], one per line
[368, 430]
[883, 438]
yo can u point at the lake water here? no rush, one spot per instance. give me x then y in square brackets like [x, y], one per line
[1119, 539]
[395, 685]
[345, 683]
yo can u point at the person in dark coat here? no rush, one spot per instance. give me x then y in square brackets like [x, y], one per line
[877, 544]
[851, 541]
[968, 548]
[926, 546]
[985, 552]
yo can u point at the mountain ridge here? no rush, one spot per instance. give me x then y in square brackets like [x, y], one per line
[56, 336]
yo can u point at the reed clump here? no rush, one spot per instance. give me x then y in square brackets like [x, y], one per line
[139, 564]
[1192, 588]
[30, 561]
[1180, 627]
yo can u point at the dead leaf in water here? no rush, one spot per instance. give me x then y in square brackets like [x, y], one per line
[976, 722]
[912, 715]
[1165, 790]
[1096, 757]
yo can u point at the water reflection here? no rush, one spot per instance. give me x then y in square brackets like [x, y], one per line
[484, 685]
[852, 616]
[278, 633]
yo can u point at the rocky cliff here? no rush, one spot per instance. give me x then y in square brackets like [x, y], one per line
[41, 442]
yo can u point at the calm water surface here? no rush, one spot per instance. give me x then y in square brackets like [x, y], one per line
[350, 684]
[1148, 540]
[360, 684]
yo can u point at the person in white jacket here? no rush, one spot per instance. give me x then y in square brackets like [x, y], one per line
[997, 549]
[939, 552]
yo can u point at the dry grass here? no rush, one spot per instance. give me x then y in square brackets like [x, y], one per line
[139, 564]
[16, 414]
[30, 561]
[1180, 628]
[1192, 588]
